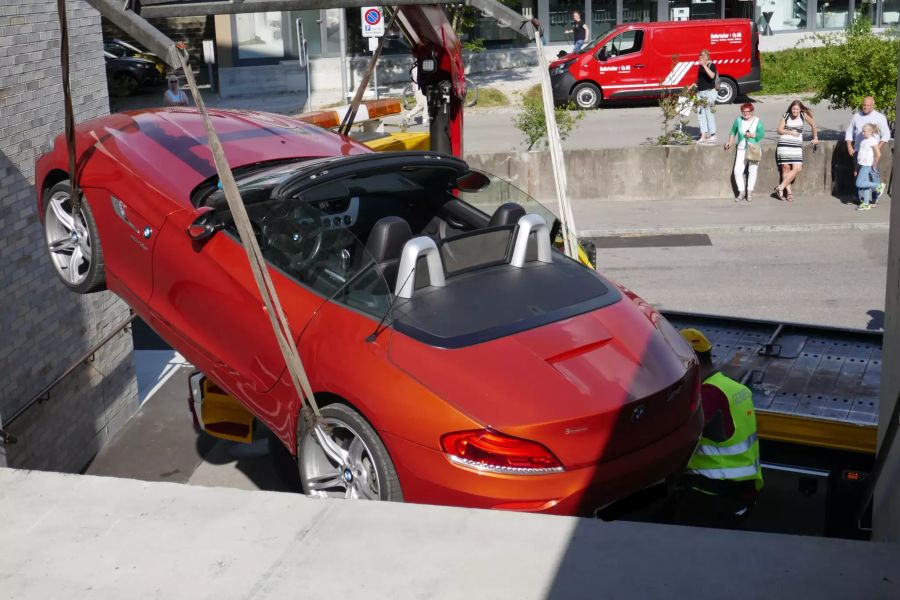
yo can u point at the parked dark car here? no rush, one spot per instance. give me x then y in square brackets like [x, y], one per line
[128, 74]
[121, 49]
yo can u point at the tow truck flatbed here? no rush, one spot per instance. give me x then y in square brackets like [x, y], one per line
[812, 385]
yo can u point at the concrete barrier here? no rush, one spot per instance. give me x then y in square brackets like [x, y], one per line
[664, 172]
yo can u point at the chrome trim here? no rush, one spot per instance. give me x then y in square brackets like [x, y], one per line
[481, 467]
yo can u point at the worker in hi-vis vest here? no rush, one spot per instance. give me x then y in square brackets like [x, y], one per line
[723, 477]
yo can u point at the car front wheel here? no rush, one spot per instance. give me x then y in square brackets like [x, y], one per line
[586, 96]
[73, 241]
[346, 461]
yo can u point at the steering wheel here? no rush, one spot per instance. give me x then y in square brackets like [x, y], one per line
[300, 240]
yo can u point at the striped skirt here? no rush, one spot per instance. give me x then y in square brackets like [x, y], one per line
[789, 150]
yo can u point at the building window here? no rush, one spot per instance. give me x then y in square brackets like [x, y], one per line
[561, 20]
[603, 17]
[639, 11]
[833, 14]
[890, 15]
[784, 15]
[683, 10]
[259, 35]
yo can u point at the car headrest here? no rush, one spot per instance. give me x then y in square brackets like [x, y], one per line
[387, 239]
[507, 214]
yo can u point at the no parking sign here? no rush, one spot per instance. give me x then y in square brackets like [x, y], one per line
[372, 21]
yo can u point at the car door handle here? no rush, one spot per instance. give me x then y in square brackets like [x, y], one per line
[639, 66]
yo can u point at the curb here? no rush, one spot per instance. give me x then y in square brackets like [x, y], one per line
[800, 227]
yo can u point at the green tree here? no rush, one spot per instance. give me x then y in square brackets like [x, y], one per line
[676, 109]
[533, 124]
[857, 64]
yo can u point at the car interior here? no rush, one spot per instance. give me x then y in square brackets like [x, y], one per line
[347, 237]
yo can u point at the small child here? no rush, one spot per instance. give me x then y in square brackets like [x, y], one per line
[868, 157]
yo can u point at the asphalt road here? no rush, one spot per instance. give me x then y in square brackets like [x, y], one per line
[492, 130]
[834, 278]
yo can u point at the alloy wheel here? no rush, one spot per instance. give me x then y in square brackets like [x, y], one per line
[68, 239]
[338, 463]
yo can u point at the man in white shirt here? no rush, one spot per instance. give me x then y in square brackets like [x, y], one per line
[853, 136]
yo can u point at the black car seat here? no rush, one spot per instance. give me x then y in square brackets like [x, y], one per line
[385, 244]
[507, 214]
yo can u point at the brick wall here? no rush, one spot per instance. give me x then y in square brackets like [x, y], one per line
[43, 326]
[191, 30]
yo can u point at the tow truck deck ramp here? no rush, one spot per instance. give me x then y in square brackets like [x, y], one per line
[814, 386]
[68, 536]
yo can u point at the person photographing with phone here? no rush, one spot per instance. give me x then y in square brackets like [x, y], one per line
[707, 90]
[748, 131]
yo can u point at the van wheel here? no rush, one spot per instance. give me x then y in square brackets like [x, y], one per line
[586, 96]
[727, 91]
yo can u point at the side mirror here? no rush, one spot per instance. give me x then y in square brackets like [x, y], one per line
[204, 225]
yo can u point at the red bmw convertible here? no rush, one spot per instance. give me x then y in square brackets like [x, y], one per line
[459, 358]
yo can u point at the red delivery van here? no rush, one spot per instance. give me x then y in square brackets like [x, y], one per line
[645, 60]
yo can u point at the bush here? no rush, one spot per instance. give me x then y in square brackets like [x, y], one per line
[533, 124]
[488, 97]
[789, 71]
[676, 110]
[857, 64]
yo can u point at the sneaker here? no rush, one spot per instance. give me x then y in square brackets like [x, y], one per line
[863, 206]
[881, 187]
[748, 196]
[711, 139]
[739, 197]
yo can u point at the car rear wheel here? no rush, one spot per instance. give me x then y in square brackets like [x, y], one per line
[586, 96]
[348, 461]
[73, 242]
[728, 91]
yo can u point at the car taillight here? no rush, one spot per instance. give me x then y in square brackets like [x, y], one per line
[488, 450]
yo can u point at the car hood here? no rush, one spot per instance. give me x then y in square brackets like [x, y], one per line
[169, 146]
[590, 388]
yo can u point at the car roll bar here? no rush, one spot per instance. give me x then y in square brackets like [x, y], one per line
[526, 225]
[406, 272]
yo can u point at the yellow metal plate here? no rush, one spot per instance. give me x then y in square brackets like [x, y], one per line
[395, 142]
[816, 432]
[223, 416]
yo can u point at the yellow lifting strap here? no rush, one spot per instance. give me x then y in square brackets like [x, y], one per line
[272, 305]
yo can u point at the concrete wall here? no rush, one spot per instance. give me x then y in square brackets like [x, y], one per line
[43, 326]
[660, 172]
[887, 508]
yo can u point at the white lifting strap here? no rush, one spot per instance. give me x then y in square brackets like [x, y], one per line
[556, 155]
[272, 305]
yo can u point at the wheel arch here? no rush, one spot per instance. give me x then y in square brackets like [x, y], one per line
[587, 80]
[326, 398]
[52, 178]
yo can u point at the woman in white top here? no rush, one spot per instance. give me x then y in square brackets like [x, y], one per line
[174, 96]
[789, 152]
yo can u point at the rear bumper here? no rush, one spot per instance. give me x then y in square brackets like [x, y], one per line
[751, 82]
[426, 476]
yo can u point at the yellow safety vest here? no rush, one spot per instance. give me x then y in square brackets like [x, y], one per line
[737, 458]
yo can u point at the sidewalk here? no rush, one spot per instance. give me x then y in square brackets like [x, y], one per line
[691, 215]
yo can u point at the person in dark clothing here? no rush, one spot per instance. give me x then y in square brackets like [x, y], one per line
[579, 31]
[706, 89]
